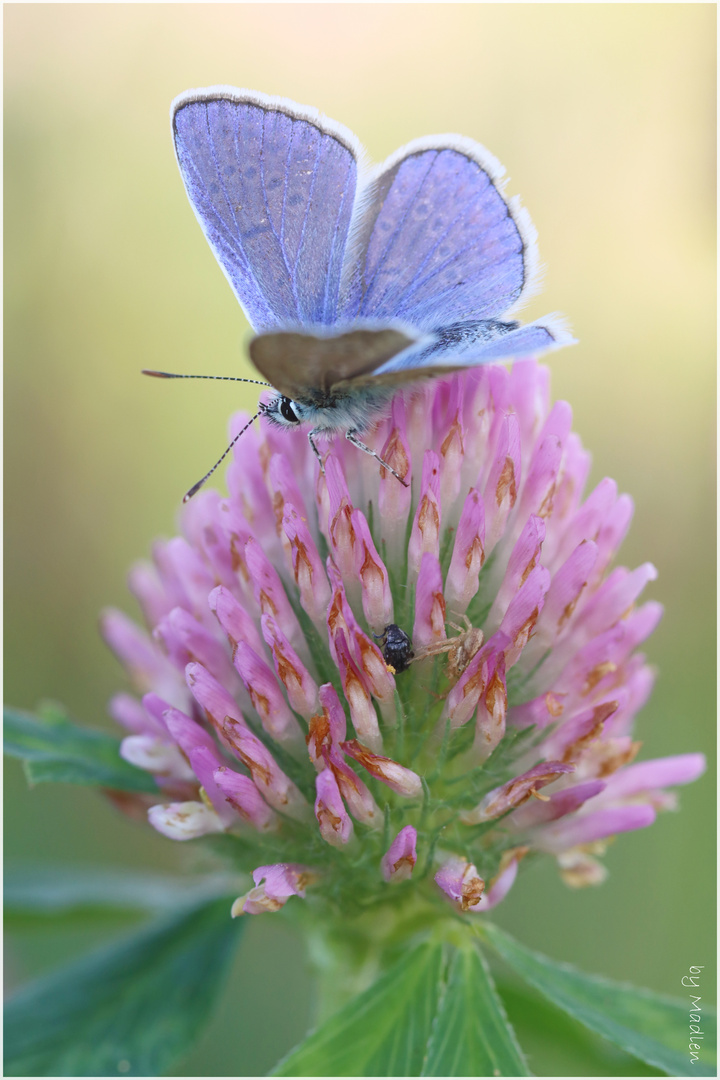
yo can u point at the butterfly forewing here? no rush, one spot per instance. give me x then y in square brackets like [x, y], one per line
[437, 241]
[273, 186]
[302, 364]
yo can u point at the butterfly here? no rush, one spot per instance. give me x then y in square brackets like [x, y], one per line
[357, 281]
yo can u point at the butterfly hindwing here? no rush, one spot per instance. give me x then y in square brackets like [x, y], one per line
[436, 241]
[465, 345]
[273, 187]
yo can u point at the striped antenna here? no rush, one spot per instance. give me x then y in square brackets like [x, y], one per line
[222, 378]
[196, 487]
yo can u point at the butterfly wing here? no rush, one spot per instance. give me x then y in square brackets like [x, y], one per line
[273, 187]
[301, 364]
[465, 345]
[436, 241]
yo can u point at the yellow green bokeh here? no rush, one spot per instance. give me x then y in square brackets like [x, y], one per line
[604, 118]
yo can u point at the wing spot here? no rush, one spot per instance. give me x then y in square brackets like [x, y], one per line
[258, 230]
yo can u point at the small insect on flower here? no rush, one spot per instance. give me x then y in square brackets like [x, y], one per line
[460, 649]
[357, 282]
[396, 648]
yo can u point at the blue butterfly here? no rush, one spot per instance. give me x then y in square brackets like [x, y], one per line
[357, 282]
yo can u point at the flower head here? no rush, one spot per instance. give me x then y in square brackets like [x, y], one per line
[270, 713]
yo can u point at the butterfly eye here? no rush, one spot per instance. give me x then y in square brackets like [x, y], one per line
[287, 411]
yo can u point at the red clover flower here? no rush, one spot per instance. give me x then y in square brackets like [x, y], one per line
[268, 711]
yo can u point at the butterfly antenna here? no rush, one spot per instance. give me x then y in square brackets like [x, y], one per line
[196, 487]
[222, 378]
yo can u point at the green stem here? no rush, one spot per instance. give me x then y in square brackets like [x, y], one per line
[348, 955]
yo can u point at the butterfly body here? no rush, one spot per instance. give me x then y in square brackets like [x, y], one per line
[358, 282]
[354, 402]
[329, 414]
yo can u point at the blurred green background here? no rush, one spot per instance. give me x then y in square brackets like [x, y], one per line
[604, 118]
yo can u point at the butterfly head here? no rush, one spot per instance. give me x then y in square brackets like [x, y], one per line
[284, 411]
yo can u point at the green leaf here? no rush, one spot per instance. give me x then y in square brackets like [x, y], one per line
[50, 891]
[382, 1032]
[53, 748]
[653, 1028]
[412, 1022]
[471, 1035]
[129, 1009]
[556, 1045]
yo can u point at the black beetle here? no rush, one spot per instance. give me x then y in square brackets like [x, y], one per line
[396, 647]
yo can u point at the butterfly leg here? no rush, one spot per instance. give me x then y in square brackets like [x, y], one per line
[352, 437]
[435, 649]
[316, 452]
